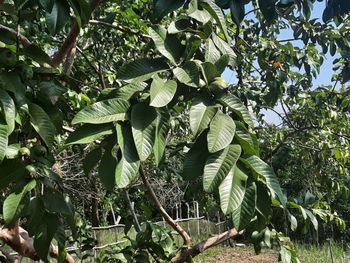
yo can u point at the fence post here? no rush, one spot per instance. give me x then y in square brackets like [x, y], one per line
[188, 216]
[112, 210]
[177, 211]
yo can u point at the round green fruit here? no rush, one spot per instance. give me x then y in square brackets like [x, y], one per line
[218, 85]
[8, 59]
[24, 151]
[30, 169]
[39, 151]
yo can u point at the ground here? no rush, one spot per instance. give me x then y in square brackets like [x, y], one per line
[235, 254]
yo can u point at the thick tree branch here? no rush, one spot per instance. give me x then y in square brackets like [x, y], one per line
[186, 237]
[188, 253]
[22, 39]
[71, 38]
[19, 240]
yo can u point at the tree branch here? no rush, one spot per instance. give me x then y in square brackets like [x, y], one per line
[18, 239]
[71, 38]
[186, 254]
[186, 237]
[22, 39]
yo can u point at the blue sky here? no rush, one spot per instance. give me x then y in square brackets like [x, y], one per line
[326, 69]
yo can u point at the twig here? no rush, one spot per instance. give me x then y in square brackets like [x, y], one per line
[187, 239]
[24, 41]
[132, 209]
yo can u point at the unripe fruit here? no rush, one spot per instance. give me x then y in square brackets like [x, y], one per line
[38, 151]
[24, 151]
[218, 85]
[31, 170]
[8, 59]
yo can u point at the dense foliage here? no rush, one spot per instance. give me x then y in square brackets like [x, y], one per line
[137, 89]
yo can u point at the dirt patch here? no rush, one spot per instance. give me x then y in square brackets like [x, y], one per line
[238, 255]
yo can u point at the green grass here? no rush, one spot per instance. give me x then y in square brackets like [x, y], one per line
[321, 254]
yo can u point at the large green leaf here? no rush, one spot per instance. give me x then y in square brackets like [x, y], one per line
[232, 190]
[142, 69]
[201, 114]
[103, 112]
[88, 133]
[10, 171]
[9, 110]
[225, 49]
[143, 122]
[245, 139]
[106, 170]
[268, 9]
[196, 158]
[237, 106]
[243, 214]
[266, 172]
[3, 139]
[13, 200]
[47, 229]
[221, 132]
[218, 165]
[58, 17]
[168, 45]
[128, 166]
[188, 74]
[127, 91]
[37, 54]
[162, 92]
[218, 15]
[212, 54]
[164, 7]
[91, 160]
[162, 130]
[42, 124]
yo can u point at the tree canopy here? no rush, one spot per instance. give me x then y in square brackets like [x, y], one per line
[131, 85]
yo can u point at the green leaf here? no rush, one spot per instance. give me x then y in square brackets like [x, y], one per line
[106, 170]
[225, 49]
[188, 74]
[201, 114]
[91, 160]
[162, 92]
[142, 69]
[265, 171]
[13, 200]
[46, 232]
[37, 54]
[218, 165]
[168, 45]
[143, 122]
[88, 133]
[3, 139]
[218, 15]
[10, 171]
[212, 54]
[268, 9]
[237, 11]
[128, 166]
[162, 130]
[9, 110]
[164, 7]
[313, 219]
[244, 137]
[221, 132]
[263, 202]
[58, 17]
[42, 124]
[103, 112]
[232, 190]
[242, 215]
[237, 106]
[127, 91]
[195, 158]
[55, 203]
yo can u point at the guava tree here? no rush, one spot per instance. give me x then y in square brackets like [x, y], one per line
[122, 95]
